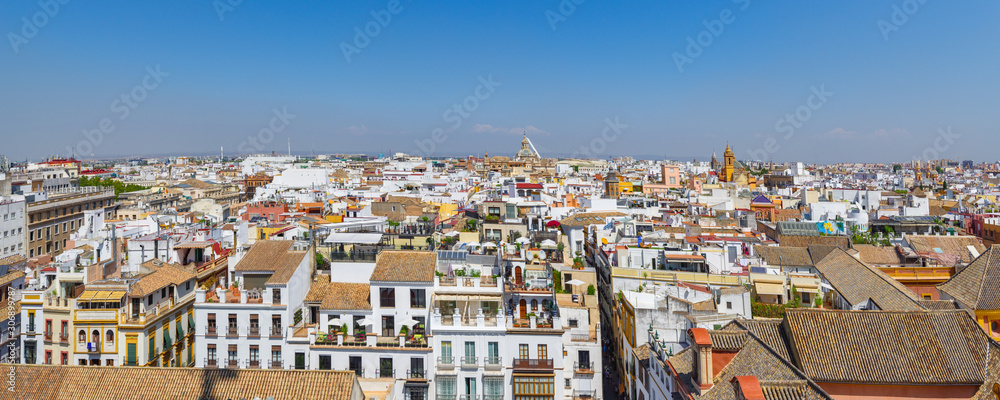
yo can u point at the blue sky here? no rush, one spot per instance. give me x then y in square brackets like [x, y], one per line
[890, 90]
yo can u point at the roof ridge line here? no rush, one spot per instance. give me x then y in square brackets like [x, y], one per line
[989, 260]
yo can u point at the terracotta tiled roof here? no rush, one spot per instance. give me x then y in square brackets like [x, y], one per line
[753, 359]
[987, 389]
[707, 305]
[340, 295]
[58, 382]
[197, 183]
[262, 255]
[163, 275]
[857, 282]
[882, 347]
[805, 241]
[784, 255]
[784, 390]
[879, 255]
[817, 252]
[978, 285]
[11, 276]
[727, 340]
[939, 304]
[955, 245]
[767, 331]
[274, 256]
[12, 259]
[404, 266]
[589, 218]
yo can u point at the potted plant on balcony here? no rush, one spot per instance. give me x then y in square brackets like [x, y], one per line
[403, 330]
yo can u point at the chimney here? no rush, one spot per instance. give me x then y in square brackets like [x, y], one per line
[702, 344]
[747, 388]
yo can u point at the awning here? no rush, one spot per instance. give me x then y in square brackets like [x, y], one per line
[87, 295]
[806, 289]
[362, 238]
[769, 288]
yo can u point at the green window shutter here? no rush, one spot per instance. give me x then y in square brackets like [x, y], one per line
[132, 356]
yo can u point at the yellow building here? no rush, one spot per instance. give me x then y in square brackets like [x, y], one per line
[144, 321]
[95, 336]
[977, 288]
[728, 166]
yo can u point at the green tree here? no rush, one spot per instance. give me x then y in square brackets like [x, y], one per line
[896, 168]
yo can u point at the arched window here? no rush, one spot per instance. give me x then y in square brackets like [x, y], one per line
[110, 336]
[995, 326]
[83, 335]
[534, 305]
[96, 336]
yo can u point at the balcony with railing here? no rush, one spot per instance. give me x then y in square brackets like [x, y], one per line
[148, 313]
[461, 284]
[492, 363]
[353, 256]
[64, 337]
[211, 363]
[61, 303]
[416, 374]
[533, 364]
[212, 331]
[584, 394]
[442, 396]
[478, 320]
[386, 372]
[470, 362]
[207, 268]
[253, 332]
[232, 363]
[583, 368]
[368, 340]
[254, 364]
[237, 296]
[48, 336]
[446, 362]
[275, 332]
[469, 397]
[232, 331]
